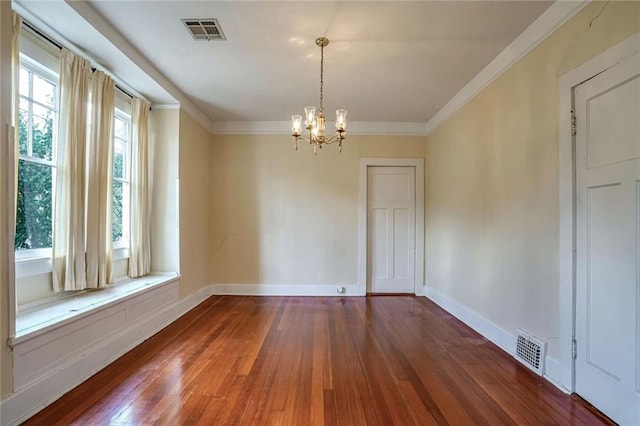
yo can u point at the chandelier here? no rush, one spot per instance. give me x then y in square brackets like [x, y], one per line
[315, 124]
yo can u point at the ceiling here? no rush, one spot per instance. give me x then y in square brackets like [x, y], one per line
[386, 61]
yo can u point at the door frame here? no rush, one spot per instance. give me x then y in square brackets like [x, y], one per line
[564, 373]
[418, 165]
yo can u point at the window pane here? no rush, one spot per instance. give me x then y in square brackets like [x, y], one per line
[23, 129]
[43, 91]
[42, 138]
[34, 212]
[118, 211]
[121, 129]
[41, 111]
[118, 159]
[24, 82]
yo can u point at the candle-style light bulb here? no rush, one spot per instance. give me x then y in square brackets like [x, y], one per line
[296, 124]
[310, 115]
[341, 119]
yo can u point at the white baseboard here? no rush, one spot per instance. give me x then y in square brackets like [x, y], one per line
[500, 337]
[286, 290]
[557, 374]
[32, 398]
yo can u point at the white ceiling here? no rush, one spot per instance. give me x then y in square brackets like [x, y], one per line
[387, 61]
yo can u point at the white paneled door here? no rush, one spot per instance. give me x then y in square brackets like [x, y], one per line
[608, 241]
[391, 230]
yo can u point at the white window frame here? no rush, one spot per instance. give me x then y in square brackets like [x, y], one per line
[121, 247]
[37, 261]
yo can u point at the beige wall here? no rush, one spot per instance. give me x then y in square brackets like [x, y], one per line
[194, 216]
[165, 236]
[492, 182]
[280, 216]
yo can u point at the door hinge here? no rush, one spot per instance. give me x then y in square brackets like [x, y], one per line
[574, 349]
[573, 123]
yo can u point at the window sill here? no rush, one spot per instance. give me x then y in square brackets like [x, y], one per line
[44, 318]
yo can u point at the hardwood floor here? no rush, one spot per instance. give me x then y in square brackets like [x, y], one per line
[301, 361]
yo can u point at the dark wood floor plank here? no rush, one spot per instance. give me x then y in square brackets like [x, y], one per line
[317, 361]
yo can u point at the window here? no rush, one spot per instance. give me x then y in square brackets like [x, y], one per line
[121, 178]
[37, 125]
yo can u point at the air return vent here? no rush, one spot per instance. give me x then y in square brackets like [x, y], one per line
[204, 29]
[531, 352]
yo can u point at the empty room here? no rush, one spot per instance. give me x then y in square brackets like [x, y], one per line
[319, 212]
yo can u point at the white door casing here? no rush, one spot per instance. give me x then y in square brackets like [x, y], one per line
[607, 366]
[391, 229]
[418, 165]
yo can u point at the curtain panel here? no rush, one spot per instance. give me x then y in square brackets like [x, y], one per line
[69, 266]
[99, 181]
[140, 239]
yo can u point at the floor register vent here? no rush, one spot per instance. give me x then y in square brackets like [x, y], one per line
[531, 352]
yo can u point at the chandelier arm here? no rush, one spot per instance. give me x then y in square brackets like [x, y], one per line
[338, 137]
[297, 138]
[335, 138]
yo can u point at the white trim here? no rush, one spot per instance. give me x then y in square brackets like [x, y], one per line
[566, 201]
[284, 289]
[10, 182]
[556, 374]
[33, 253]
[36, 395]
[556, 15]
[165, 106]
[418, 163]
[29, 264]
[33, 266]
[123, 103]
[120, 252]
[69, 307]
[498, 336]
[284, 128]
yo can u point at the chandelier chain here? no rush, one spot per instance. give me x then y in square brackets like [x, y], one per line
[321, 77]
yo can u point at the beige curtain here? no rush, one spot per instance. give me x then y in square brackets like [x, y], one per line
[15, 98]
[140, 239]
[69, 219]
[99, 176]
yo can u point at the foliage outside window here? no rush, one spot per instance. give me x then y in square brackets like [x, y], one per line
[37, 121]
[121, 177]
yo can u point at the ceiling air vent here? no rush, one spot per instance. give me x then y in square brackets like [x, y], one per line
[204, 29]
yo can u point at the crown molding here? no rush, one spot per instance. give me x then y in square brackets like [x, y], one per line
[556, 15]
[165, 106]
[284, 128]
